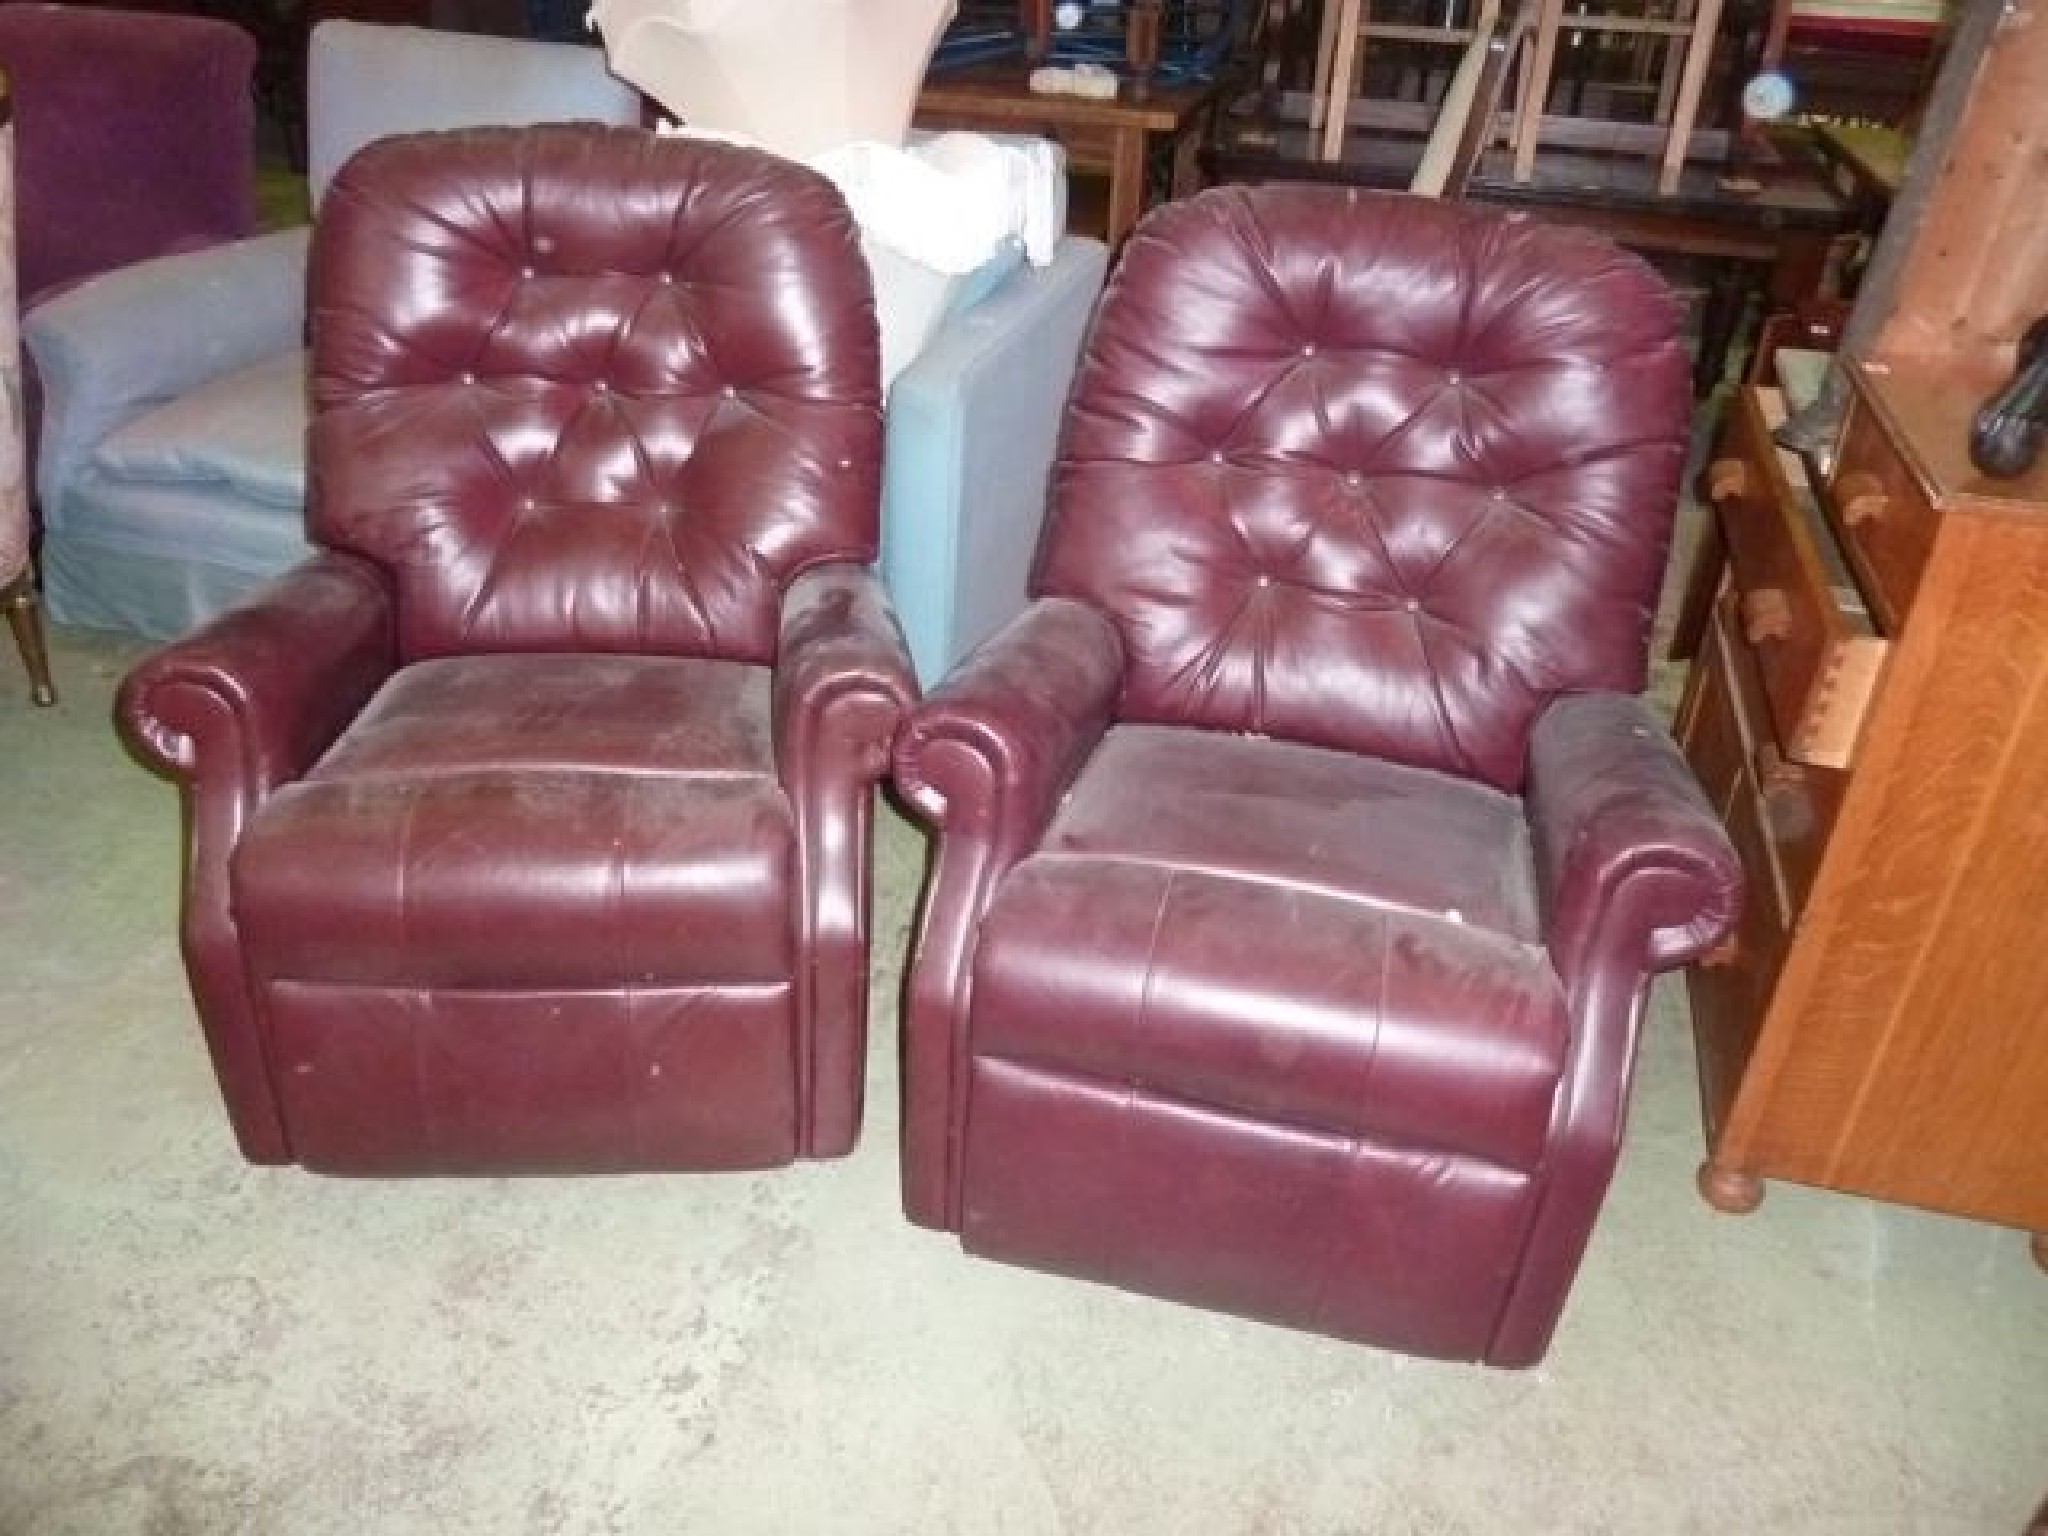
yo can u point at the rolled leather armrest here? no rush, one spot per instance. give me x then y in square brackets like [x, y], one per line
[991, 750]
[984, 760]
[252, 697]
[239, 707]
[838, 642]
[1631, 860]
[842, 682]
[129, 340]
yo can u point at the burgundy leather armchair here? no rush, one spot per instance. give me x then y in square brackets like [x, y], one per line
[1304, 853]
[529, 820]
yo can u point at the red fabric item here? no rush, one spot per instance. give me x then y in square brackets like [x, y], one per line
[1304, 856]
[530, 820]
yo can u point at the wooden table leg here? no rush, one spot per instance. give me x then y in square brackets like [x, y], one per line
[1343, 70]
[1126, 183]
[1326, 59]
[1702, 585]
[1187, 164]
[18, 597]
[1691, 82]
[1536, 88]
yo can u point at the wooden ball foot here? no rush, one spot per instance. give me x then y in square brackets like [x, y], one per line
[2039, 1248]
[1726, 1190]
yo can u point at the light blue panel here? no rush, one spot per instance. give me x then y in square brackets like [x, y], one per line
[972, 428]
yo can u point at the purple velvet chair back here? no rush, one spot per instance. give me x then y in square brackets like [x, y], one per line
[1371, 472]
[135, 137]
[610, 392]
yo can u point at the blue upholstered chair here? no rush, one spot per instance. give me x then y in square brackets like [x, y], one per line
[172, 473]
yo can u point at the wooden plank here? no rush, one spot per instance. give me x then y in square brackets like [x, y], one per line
[1440, 154]
[1692, 80]
[1977, 274]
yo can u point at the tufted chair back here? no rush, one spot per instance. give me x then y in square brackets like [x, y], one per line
[1367, 471]
[609, 393]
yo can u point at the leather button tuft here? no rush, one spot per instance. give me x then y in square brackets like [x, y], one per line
[1454, 377]
[1308, 349]
[731, 391]
[1262, 580]
[527, 270]
[1353, 479]
[467, 377]
[1413, 605]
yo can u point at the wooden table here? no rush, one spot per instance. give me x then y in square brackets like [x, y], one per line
[1105, 138]
[1769, 234]
[1873, 156]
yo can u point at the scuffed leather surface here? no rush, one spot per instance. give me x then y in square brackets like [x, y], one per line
[528, 822]
[843, 679]
[242, 705]
[1393, 1245]
[989, 752]
[1330, 941]
[647, 368]
[1636, 876]
[1265, 1001]
[1306, 818]
[1301, 874]
[397, 1081]
[984, 760]
[1613, 805]
[1433, 448]
[583, 888]
[533, 908]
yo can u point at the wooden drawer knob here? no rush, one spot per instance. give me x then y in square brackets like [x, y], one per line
[1766, 616]
[1727, 480]
[1862, 498]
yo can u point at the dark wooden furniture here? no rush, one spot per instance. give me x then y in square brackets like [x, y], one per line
[1870, 710]
[1116, 139]
[1763, 242]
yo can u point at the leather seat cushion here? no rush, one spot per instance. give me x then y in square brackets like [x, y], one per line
[526, 822]
[1288, 933]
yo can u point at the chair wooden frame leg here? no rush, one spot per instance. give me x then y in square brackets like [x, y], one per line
[25, 618]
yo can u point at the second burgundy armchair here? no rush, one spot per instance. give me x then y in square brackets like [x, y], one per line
[1304, 853]
[529, 821]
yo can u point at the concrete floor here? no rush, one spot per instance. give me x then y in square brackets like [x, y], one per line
[190, 1345]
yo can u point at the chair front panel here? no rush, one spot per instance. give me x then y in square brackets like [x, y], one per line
[1372, 472]
[583, 388]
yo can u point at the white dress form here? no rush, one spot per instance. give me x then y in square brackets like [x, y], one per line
[794, 76]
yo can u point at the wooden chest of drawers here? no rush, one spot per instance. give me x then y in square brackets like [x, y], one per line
[1869, 710]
